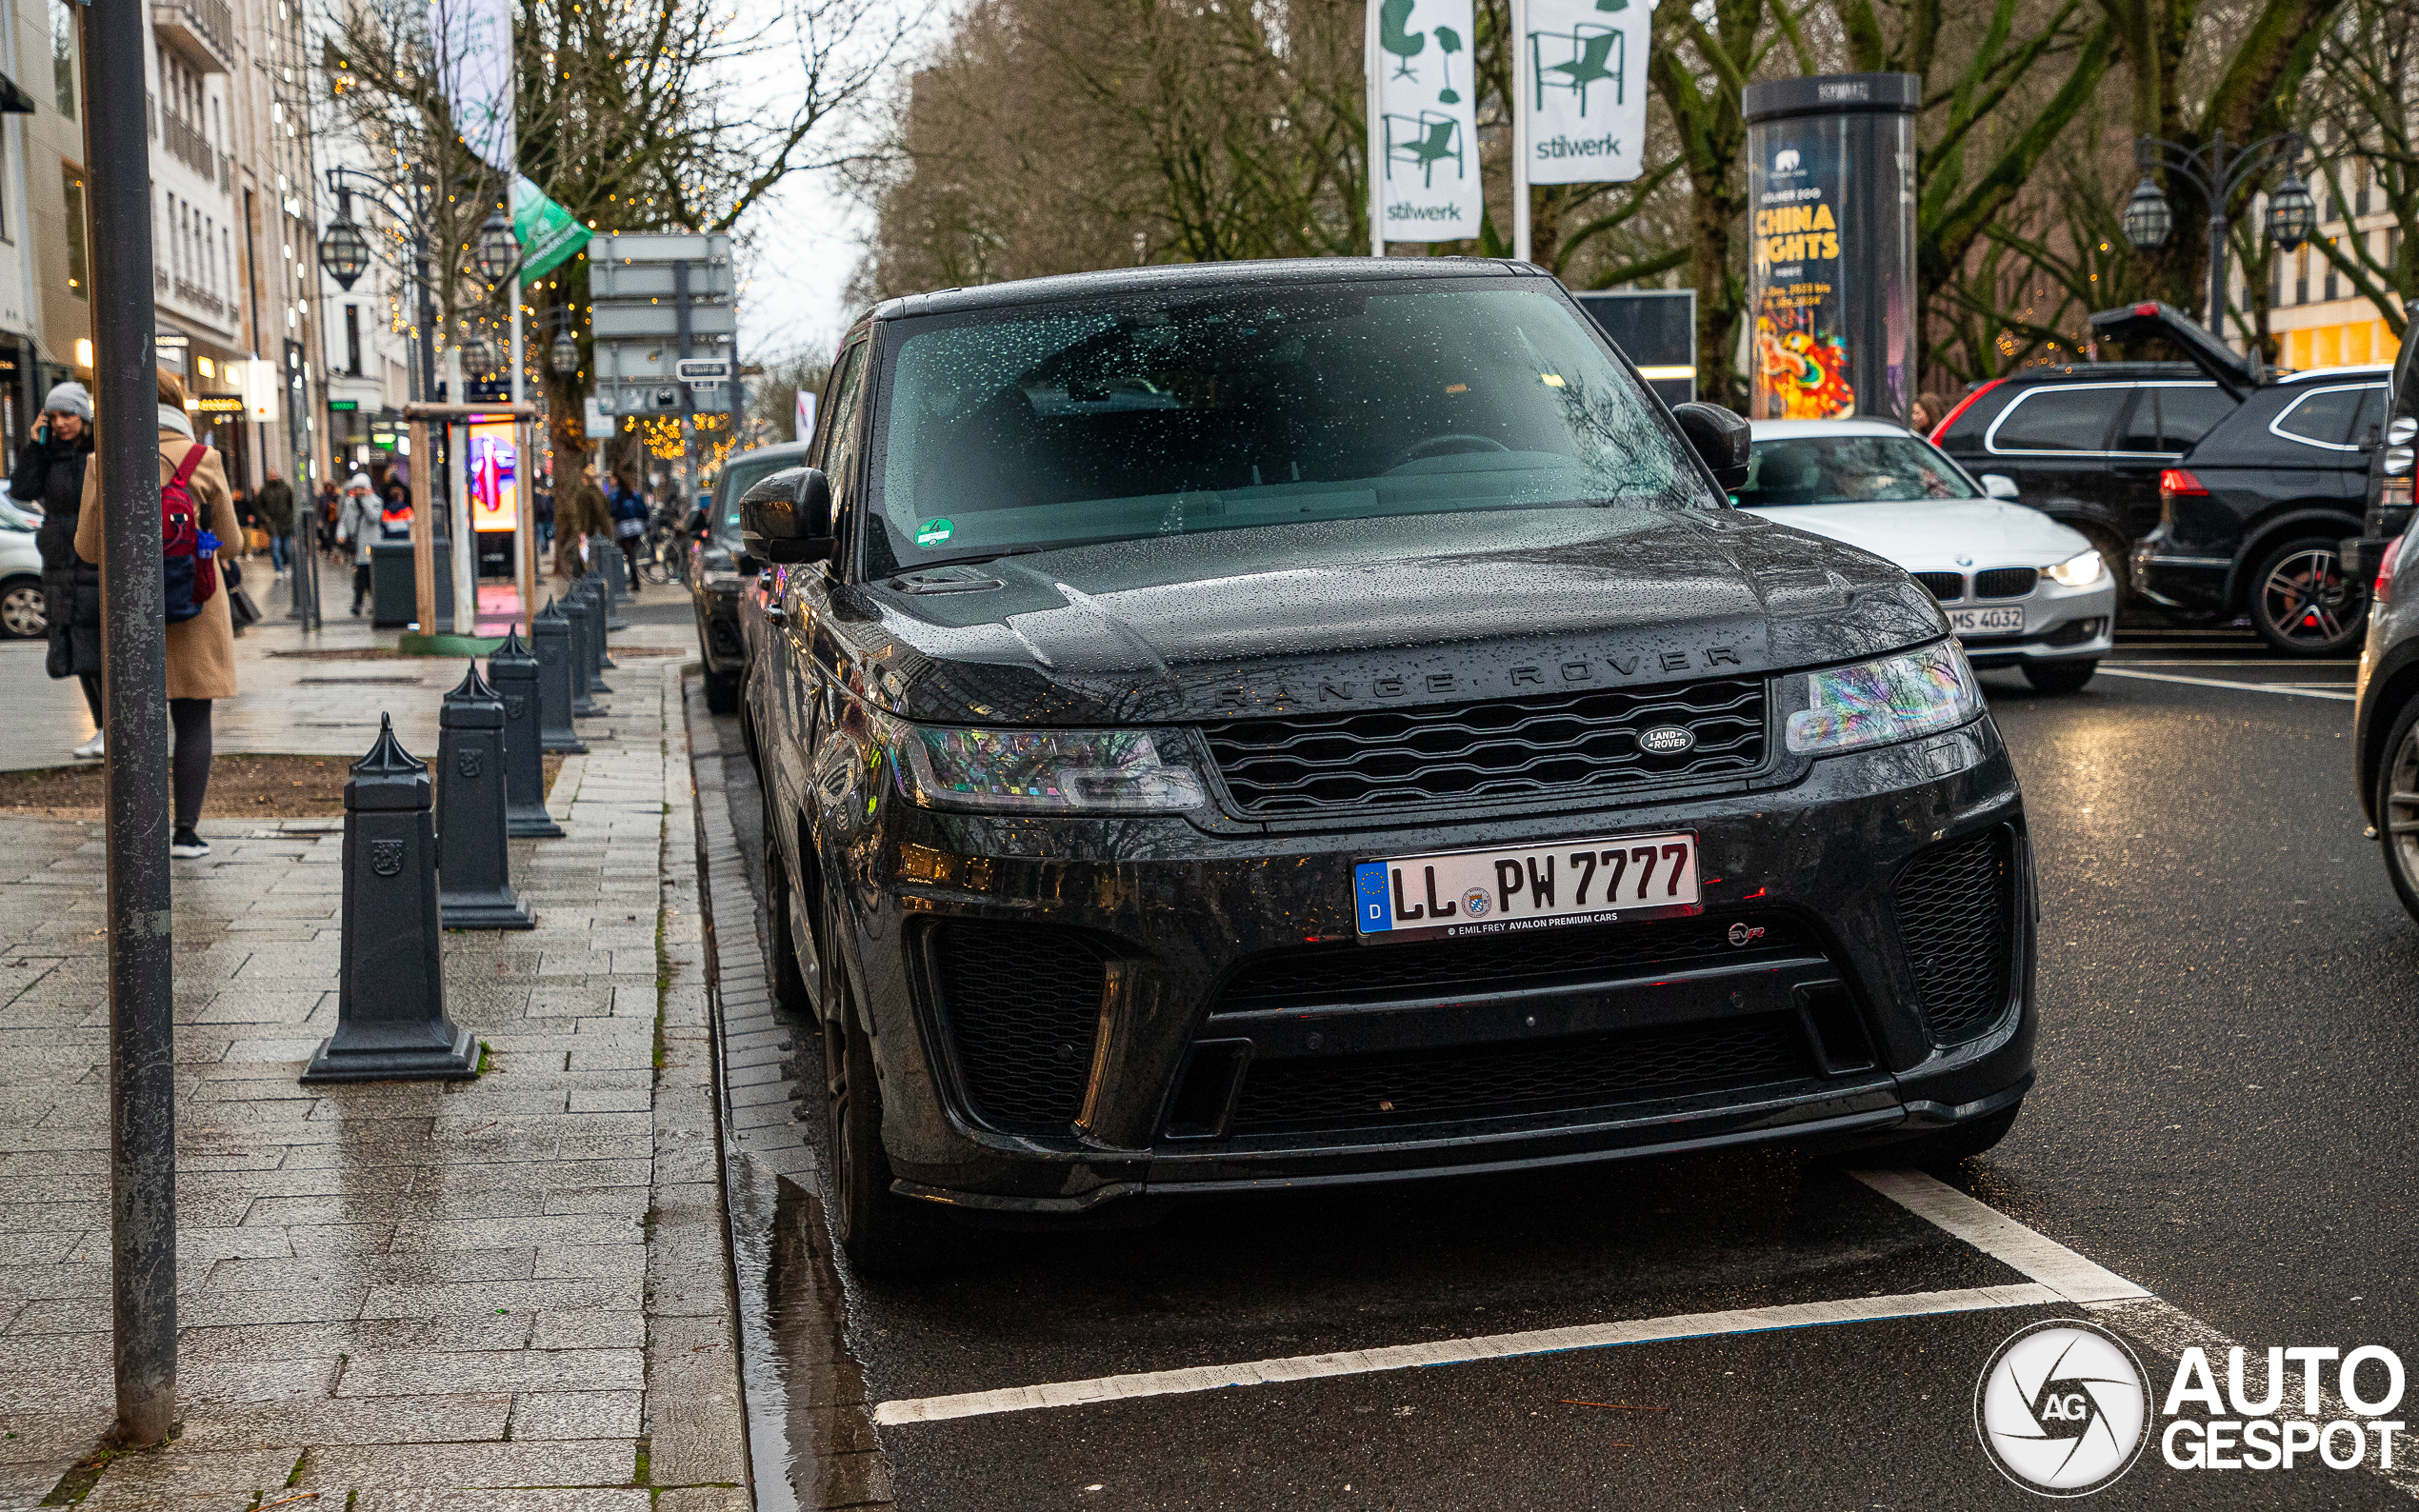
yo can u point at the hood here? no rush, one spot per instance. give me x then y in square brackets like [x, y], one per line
[1394, 612]
[1932, 534]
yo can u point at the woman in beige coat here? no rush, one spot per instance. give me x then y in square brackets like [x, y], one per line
[201, 651]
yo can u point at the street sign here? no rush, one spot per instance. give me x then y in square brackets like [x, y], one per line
[599, 424]
[704, 369]
[659, 322]
[617, 280]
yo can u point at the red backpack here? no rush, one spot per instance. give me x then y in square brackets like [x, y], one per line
[189, 571]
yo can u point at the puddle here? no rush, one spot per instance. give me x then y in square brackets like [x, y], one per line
[810, 1441]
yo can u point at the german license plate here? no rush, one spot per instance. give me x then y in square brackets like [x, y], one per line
[1475, 892]
[1986, 621]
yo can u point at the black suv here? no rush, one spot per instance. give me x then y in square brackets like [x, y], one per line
[717, 569]
[1257, 724]
[2085, 444]
[2254, 519]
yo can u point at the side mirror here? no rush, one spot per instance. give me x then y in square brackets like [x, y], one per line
[1999, 486]
[787, 518]
[1720, 437]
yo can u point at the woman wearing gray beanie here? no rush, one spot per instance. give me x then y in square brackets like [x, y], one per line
[50, 477]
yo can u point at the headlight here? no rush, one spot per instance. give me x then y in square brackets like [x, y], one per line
[1896, 698]
[1118, 771]
[2079, 571]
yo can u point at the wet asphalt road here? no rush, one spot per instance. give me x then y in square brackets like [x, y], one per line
[2229, 1002]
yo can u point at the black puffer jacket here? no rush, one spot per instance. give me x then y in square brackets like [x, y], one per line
[50, 477]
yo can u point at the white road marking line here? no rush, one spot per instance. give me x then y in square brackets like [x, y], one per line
[2002, 1238]
[1460, 1351]
[2105, 670]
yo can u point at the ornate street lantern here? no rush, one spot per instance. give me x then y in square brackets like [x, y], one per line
[2147, 220]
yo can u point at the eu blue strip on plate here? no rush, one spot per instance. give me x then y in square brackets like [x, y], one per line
[1369, 891]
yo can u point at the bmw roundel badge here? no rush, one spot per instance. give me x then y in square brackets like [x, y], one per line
[1667, 740]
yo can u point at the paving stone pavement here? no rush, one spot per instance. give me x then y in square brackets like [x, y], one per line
[512, 1294]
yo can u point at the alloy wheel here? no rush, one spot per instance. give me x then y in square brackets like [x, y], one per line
[2400, 811]
[2306, 602]
[23, 613]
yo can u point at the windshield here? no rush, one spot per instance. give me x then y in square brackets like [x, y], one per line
[1193, 411]
[738, 477]
[1849, 470]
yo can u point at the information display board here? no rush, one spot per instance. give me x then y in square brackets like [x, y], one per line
[495, 481]
[1832, 246]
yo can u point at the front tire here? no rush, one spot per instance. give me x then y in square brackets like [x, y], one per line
[782, 974]
[884, 1235]
[24, 615]
[2060, 677]
[2303, 602]
[2398, 805]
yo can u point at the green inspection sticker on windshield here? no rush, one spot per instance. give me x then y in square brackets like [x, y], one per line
[934, 532]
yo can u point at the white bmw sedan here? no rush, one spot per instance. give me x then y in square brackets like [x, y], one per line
[2020, 589]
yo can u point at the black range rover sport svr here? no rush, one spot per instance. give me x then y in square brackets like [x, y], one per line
[1272, 724]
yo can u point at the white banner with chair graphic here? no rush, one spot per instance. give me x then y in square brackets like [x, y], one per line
[1584, 73]
[1424, 128]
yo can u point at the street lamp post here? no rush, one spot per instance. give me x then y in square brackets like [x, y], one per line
[2219, 173]
[344, 252]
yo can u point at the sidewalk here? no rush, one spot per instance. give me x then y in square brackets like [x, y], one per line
[511, 1294]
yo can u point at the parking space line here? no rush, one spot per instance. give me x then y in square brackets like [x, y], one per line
[2105, 670]
[2002, 1238]
[1462, 1351]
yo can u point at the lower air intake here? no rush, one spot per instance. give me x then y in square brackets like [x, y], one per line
[1021, 1003]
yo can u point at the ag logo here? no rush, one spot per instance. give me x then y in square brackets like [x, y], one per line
[385, 857]
[2062, 1408]
[1667, 740]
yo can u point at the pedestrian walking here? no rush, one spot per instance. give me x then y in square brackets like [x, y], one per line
[543, 504]
[357, 526]
[629, 509]
[579, 515]
[276, 505]
[50, 477]
[200, 644]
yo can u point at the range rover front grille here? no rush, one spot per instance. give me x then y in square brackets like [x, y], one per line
[1597, 1070]
[1550, 747]
[1435, 968]
[1956, 907]
[1021, 1003]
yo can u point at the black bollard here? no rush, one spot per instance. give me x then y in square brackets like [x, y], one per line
[576, 609]
[616, 589]
[513, 673]
[390, 1023]
[474, 865]
[553, 633]
[599, 609]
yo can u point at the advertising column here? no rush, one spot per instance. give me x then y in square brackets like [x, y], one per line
[1832, 250]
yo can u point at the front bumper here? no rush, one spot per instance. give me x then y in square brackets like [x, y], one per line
[719, 640]
[2060, 625]
[1159, 1070]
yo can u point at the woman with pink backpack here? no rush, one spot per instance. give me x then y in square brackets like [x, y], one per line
[196, 515]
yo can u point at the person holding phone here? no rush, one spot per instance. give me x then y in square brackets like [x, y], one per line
[50, 477]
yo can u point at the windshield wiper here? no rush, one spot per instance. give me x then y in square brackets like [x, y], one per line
[907, 567]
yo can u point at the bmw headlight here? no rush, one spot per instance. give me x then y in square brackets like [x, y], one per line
[2078, 571]
[1112, 771]
[1896, 698]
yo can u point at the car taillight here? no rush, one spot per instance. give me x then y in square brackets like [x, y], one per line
[2175, 480]
[2383, 590]
[1963, 405]
[2395, 493]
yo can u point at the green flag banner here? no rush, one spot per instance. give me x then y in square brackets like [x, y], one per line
[547, 232]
